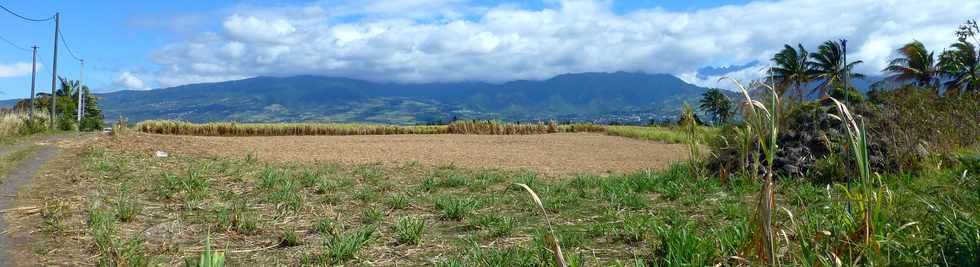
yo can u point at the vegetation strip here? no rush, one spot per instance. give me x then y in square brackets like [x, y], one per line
[12, 159]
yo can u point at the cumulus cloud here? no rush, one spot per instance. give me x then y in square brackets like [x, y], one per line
[445, 40]
[15, 69]
[129, 81]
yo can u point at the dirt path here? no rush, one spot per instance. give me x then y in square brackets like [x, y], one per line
[15, 180]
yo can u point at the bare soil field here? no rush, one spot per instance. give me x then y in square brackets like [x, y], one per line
[546, 153]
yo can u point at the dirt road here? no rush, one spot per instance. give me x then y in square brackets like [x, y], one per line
[42, 149]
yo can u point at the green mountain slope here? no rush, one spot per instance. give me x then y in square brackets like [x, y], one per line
[600, 97]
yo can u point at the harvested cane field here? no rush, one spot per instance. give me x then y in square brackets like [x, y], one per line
[546, 153]
[293, 129]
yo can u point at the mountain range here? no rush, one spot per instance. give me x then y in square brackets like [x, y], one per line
[598, 97]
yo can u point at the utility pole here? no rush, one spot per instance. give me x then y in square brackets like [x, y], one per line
[30, 112]
[847, 94]
[54, 69]
[80, 86]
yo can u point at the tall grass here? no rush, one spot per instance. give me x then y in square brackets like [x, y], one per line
[692, 139]
[285, 129]
[762, 123]
[551, 239]
[867, 197]
[296, 129]
[670, 135]
[14, 123]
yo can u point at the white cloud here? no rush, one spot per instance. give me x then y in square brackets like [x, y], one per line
[129, 81]
[16, 69]
[253, 29]
[446, 40]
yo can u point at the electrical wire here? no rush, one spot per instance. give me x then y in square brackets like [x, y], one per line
[72, 54]
[23, 17]
[13, 44]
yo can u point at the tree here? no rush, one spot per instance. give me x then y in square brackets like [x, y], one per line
[68, 87]
[93, 119]
[792, 69]
[828, 66]
[915, 64]
[715, 102]
[959, 65]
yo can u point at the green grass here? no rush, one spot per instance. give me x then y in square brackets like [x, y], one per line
[658, 133]
[454, 207]
[9, 162]
[397, 201]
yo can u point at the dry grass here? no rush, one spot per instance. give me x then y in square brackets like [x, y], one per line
[283, 129]
[12, 123]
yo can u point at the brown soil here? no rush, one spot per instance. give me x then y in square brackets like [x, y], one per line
[547, 153]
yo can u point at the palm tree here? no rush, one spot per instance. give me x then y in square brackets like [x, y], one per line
[915, 64]
[792, 69]
[68, 87]
[715, 102]
[828, 66]
[960, 65]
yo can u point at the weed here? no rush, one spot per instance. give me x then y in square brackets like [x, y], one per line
[409, 230]
[498, 225]
[634, 228]
[455, 208]
[208, 258]
[428, 185]
[679, 246]
[325, 226]
[397, 201]
[454, 181]
[552, 243]
[244, 219]
[289, 238]
[372, 215]
[126, 209]
[343, 247]
[367, 194]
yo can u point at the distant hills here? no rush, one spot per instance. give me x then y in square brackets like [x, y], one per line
[599, 97]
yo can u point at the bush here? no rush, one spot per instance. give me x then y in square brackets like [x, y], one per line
[37, 125]
[907, 129]
[910, 124]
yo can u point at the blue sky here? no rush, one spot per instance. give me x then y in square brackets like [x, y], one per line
[151, 44]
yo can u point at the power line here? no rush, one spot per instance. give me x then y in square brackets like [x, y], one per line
[66, 46]
[41, 59]
[13, 44]
[23, 17]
